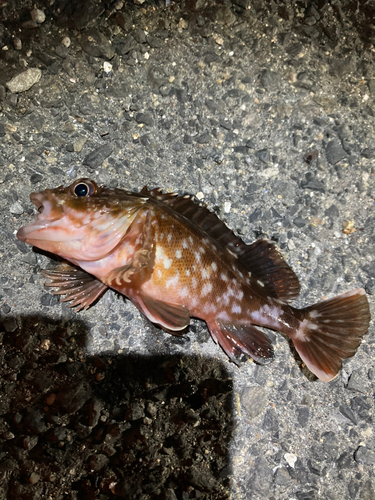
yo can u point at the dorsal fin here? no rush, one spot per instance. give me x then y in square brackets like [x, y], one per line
[266, 263]
[261, 258]
[201, 216]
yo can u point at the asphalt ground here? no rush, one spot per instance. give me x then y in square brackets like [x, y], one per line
[265, 112]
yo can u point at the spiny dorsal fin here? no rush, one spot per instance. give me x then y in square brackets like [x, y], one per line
[201, 216]
[261, 258]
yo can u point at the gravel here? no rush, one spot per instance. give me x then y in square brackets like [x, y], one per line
[264, 111]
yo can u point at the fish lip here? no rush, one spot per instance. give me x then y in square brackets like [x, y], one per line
[43, 218]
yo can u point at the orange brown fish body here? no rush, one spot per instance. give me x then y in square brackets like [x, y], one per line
[175, 260]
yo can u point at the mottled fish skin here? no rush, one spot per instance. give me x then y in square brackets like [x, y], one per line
[174, 259]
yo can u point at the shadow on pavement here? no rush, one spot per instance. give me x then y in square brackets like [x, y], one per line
[78, 427]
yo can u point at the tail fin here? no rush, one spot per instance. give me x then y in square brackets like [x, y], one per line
[332, 331]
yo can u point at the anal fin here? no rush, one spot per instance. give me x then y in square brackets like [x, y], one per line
[236, 340]
[77, 285]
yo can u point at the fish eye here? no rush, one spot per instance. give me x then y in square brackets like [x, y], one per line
[83, 188]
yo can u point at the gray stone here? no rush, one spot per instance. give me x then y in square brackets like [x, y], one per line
[253, 400]
[368, 153]
[96, 157]
[314, 185]
[24, 81]
[335, 152]
[348, 413]
[303, 415]
[332, 211]
[364, 455]
[271, 422]
[204, 138]
[282, 476]
[268, 79]
[356, 383]
[260, 481]
[342, 67]
[299, 222]
[95, 44]
[16, 208]
[145, 119]
[370, 287]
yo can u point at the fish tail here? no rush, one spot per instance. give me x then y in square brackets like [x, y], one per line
[331, 331]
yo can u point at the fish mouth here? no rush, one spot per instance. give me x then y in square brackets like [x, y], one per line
[42, 221]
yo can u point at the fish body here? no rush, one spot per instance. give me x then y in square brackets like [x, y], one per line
[175, 260]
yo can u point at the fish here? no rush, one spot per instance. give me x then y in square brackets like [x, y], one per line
[175, 259]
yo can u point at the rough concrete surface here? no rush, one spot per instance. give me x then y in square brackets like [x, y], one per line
[265, 111]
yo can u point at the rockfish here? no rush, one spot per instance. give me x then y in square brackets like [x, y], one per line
[175, 259]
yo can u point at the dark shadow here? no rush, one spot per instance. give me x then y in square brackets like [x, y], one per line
[86, 427]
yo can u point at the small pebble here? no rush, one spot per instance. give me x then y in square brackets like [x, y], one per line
[38, 16]
[16, 208]
[66, 42]
[291, 459]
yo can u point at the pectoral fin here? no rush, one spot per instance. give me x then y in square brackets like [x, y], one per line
[77, 285]
[173, 317]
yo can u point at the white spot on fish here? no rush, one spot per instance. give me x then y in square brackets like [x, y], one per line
[187, 272]
[240, 295]
[194, 282]
[236, 309]
[300, 332]
[169, 237]
[191, 241]
[209, 308]
[159, 253]
[224, 316]
[224, 277]
[214, 266]
[202, 250]
[207, 287]
[184, 243]
[197, 256]
[178, 254]
[184, 292]
[205, 274]
[314, 314]
[167, 263]
[172, 281]
[260, 283]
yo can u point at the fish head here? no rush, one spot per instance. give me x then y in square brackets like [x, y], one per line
[81, 222]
